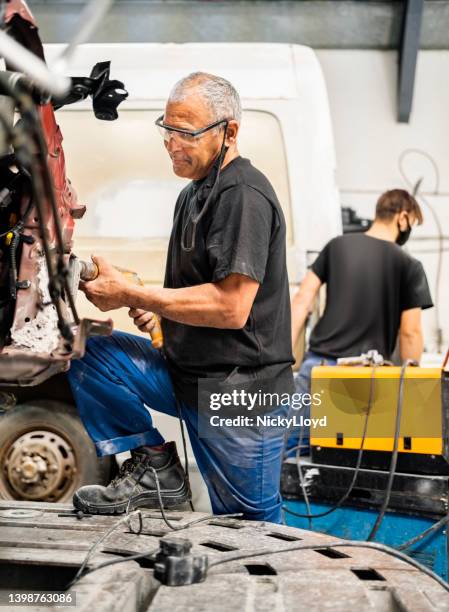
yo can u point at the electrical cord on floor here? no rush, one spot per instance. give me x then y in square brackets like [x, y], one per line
[96, 544]
[135, 557]
[339, 544]
[302, 480]
[424, 534]
[394, 456]
[127, 519]
[358, 465]
[318, 546]
[191, 523]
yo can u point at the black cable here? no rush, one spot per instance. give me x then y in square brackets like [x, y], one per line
[18, 227]
[96, 544]
[10, 135]
[21, 223]
[62, 271]
[424, 534]
[128, 505]
[339, 544]
[184, 444]
[394, 456]
[127, 519]
[358, 465]
[292, 449]
[61, 266]
[318, 546]
[82, 572]
[437, 222]
[31, 120]
[187, 525]
[38, 198]
[135, 557]
[301, 477]
[139, 516]
[21, 141]
[196, 220]
[13, 273]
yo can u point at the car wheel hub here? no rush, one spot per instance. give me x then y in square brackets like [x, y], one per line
[39, 465]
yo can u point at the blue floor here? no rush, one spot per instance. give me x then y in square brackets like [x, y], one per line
[355, 524]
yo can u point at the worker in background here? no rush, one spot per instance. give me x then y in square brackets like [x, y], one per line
[375, 292]
[225, 311]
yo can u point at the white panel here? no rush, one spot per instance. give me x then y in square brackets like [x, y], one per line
[150, 70]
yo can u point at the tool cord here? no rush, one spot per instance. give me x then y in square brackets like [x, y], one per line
[342, 500]
[394, 456]
[339, 544]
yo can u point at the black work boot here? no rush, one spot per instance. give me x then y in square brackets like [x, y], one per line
[136, 483]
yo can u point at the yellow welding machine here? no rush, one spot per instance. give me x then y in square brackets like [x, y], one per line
[341, 401]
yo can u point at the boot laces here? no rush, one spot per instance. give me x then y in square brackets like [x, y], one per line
[127, 468]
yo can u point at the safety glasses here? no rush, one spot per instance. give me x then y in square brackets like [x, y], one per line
[185, 136]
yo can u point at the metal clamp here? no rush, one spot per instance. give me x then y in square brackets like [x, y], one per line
[371, 358]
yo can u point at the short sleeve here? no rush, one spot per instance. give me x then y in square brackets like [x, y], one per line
[239, 236]
[415, 291]
[321, 264]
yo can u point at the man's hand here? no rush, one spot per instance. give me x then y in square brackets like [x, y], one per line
[109, 290]
[143, 320]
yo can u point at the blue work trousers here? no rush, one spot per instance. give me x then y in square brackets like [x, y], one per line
[122, 375]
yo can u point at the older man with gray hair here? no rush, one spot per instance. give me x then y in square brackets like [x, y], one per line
[225, 314]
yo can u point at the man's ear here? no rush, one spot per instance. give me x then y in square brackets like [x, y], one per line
[403, 220]
[231, 133]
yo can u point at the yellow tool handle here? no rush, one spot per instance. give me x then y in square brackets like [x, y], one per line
[89, 271]
[157, 337]
[156, 334]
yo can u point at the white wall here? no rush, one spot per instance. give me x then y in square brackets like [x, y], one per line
[369, 142]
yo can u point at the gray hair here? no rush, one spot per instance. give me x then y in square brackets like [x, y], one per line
[220, 95]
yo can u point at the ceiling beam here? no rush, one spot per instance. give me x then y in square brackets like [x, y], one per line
[321, 24]
[408, 56]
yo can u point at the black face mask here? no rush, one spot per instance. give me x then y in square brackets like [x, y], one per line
[403, 235]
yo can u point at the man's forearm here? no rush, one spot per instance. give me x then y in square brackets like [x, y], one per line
[411, 346]
[300, 313]
[202, 305]
[303, 301]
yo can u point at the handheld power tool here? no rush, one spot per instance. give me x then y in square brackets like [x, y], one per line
[88, 271]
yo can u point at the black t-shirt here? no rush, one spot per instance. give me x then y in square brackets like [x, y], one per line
[243, 231]
[369, 282]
